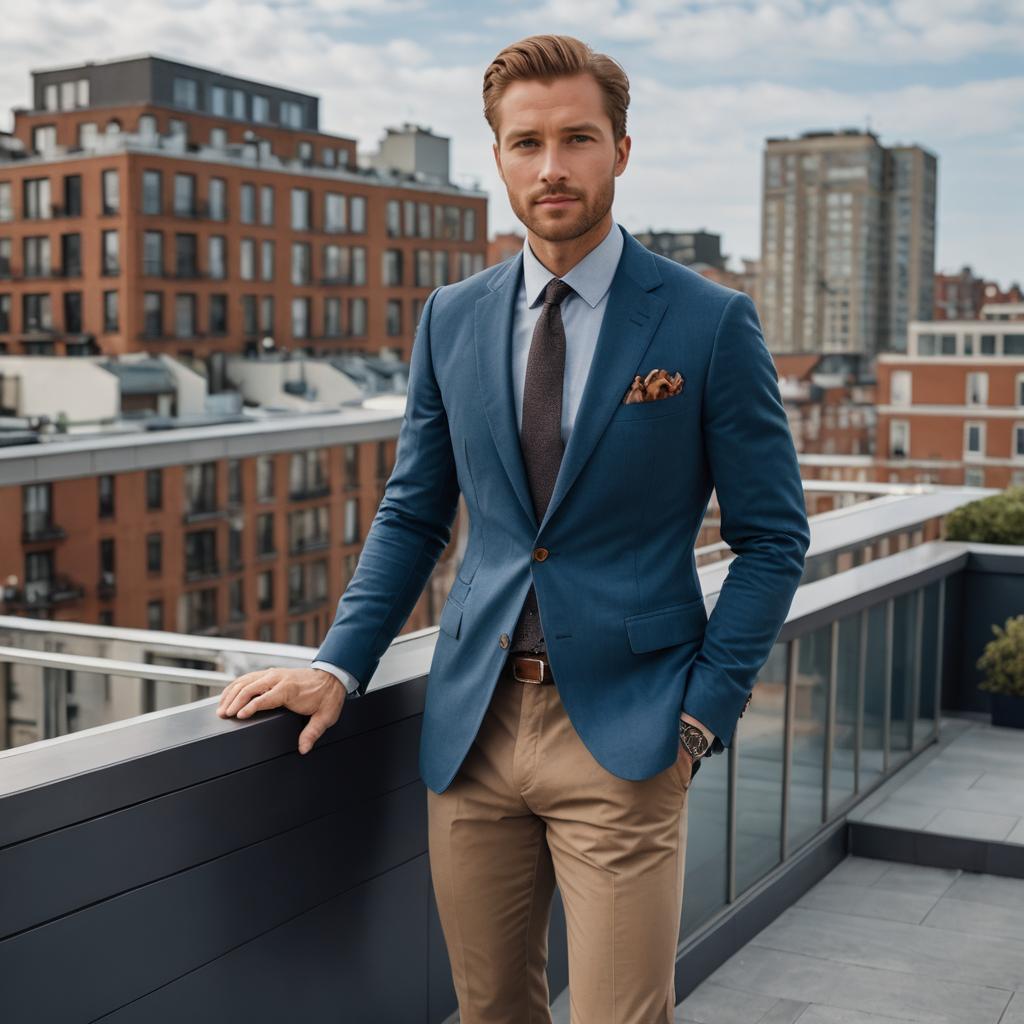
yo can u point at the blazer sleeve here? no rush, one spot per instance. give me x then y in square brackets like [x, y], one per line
[411, 528]
[753, 463]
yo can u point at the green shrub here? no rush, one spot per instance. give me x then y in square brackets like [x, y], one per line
[1002, 660]
[997, 519]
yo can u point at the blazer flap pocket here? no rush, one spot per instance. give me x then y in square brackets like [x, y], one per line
[673, 624]
[451, 618]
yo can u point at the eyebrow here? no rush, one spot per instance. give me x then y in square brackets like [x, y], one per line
[587, 126]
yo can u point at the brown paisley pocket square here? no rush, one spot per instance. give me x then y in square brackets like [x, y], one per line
[655, 385]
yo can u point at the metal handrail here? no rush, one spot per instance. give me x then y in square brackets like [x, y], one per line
[114, 667]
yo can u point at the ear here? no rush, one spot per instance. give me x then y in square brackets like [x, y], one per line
[497, 162]
[622, 148]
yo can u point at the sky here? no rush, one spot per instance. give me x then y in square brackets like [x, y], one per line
[709, 81]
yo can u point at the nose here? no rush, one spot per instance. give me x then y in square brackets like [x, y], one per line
[553, 168]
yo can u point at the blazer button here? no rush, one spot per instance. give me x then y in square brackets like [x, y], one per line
[503, 640]
[539, 554]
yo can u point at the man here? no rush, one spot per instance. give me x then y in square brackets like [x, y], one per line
[585, 397]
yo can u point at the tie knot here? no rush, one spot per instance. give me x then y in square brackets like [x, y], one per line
[555, 291]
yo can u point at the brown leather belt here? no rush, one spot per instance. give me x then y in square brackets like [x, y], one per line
[530, 668]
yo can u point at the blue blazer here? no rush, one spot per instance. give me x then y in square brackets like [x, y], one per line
[628, 638]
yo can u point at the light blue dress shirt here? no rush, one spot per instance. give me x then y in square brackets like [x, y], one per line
[582, 313]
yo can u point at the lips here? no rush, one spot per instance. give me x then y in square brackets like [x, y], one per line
[557, 200]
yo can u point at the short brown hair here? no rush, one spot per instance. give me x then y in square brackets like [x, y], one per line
[546, 57]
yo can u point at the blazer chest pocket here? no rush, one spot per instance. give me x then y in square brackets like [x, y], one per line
[664, 627]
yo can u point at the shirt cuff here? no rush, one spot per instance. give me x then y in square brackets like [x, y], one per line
[346, 679]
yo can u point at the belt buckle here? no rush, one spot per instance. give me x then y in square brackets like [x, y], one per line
[515, 666]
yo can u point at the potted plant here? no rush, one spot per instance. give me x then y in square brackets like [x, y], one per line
[1002, 661]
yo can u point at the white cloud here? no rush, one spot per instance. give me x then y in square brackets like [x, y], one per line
[696, 149]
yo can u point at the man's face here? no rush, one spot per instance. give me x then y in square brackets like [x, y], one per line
[557, 156]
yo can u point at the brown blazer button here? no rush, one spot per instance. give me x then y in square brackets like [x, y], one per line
[503, 640]
[539, 554]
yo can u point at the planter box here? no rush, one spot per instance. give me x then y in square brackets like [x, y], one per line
[1007, 710]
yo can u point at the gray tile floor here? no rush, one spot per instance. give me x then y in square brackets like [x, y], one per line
[876, 941]
[971, 784]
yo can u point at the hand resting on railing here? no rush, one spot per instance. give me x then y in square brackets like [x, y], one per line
[307, 691]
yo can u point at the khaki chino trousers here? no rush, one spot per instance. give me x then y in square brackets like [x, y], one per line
[531, 807]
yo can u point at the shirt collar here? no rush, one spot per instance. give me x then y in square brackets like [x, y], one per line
[590, 278]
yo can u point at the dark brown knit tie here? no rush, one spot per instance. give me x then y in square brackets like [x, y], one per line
[541, 435]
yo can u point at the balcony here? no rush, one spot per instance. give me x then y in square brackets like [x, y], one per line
[42, 594]
[37, 527]
[145, 813]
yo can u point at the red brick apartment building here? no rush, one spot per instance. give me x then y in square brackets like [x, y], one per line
[961, 296]
[151, 205]
[245, 530]
[148, 206]
[952, 408]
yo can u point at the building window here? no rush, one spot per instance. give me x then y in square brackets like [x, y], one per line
[184, 316]
[357, 317]
[266, 260]
[152, 189]
[6, 205]
[424, 220]
[36, 312]
[88, 135]
[155, 615]
[36, 194]
[265, 534]
[152, 253]
[186, 265]
[249, 315]
[336, 264]
[351, 521]
[291, 114]
[260, 109]
[300, 209]
[35, 254]
[265, 490]
[300, 318]
[391, 267]
[394, 317]
[977, 388]
[899, 439]
[393, 218]
[247, 204]
[300, 262]
[147, 127]
[154, 552]
[238, 104]
[267, 205]
[267, 314]
[154, 489]
[218, 314]
[217, 257]
[200, 487]
[111, 258]
[185, 195]
[334, 212]
[305, 153]
[265, 590]
[5, 314]
[358, 264]
[351, 459]
[153, 314]
[186, 93]
[219, 101]
[332, 317]
[111, 192]
[105, 486]
[357, 209]
[440, 269]
[44, 139]
[469, 225]
[111, 313]
[218, 199]
[72, 195]
[234, 481]
[247, 259]
[974, 438]
[899, 387]
[73, 312]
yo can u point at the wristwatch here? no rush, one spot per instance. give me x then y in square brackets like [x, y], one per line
[693, 738]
